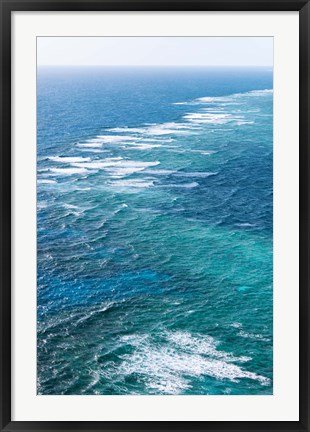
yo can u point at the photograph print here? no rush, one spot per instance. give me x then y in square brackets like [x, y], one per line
[154, 216]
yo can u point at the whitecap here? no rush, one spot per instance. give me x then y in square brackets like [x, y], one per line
[94, 140]
[146, 131]
[264, 92]
[195, 174]
[144, 146]
[229, 99]
[158, 129]
[159, 172]
[68, 159]
[118, 167]
[123, 171]
[243, 122]
[203, 152]
[211, 118]
[208, 99]
[70, 206]
[45, 181]
[202, 345]
[98, 164]
[67, 171]
[114, 139]
[42, 205]
[132, 183]
[153, 129]
[181, 185]
[125, 129]
[168, 129]
[236, 325]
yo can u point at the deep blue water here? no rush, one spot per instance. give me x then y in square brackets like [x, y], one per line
[154, 230]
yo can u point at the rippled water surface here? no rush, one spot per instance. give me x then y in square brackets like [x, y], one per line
[154, 231]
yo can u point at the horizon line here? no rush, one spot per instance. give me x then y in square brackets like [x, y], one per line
[155, 65]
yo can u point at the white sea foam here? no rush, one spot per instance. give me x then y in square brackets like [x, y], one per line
[70, 206]
[203, 152]
[113, 139]
[209, 99]
[142, 146]
[68, 159]
[204, 117]
[137, 164]
[72, 213]
[94, 140]
[159, 172]
[243, 122]
[127, 167]
[46, 181]
[145, 131]
[227, 100]
[116, 167]
[98, 164]
[238, 95]
[264, 92]
[236, 325]
[195, 174]
[118, 172]
[168, 367]
[42, 205]
[181, 185]
[157, 140]
[202, 345]
[116, 162]
[132, 183]
[185, 150]
[67, 171]
[94, 150]
[157, 129]
[124, 129]
[168, 129]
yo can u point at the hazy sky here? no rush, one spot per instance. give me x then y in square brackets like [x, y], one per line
[155, 51]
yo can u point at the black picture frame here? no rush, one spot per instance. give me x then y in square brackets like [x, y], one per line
[9, 6]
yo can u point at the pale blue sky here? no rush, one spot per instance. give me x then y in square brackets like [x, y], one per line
[155, 51]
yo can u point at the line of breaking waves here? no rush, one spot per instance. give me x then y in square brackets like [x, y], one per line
[213, 113]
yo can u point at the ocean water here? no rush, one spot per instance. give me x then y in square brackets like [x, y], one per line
[154, 231]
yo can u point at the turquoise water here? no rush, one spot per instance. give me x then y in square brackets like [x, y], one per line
[154, 231]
